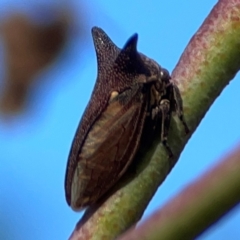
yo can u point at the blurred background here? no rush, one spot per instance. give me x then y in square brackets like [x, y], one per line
[47, 72]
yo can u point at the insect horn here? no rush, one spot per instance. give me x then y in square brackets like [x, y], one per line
[103, 44]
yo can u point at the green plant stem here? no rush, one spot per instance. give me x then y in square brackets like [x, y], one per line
[196, 207]
[210, 61]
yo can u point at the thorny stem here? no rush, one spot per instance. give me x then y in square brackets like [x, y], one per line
[210, 61]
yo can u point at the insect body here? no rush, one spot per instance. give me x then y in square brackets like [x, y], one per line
[130, 87]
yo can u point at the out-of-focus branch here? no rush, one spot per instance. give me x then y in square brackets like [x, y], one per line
[210, 61]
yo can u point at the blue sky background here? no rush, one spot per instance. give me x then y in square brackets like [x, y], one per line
[34, 148]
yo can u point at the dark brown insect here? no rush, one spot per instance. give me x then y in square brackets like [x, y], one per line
[130, 87]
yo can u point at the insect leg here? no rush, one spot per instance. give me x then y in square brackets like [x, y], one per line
[164, 109]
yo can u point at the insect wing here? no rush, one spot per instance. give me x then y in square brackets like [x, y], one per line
[109, 148]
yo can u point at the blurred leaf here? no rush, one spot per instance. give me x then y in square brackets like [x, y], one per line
[29, 48]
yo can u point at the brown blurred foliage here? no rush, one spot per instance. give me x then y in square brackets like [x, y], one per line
[30, 46]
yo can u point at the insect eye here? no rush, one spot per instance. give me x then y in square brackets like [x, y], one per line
[165, 76]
